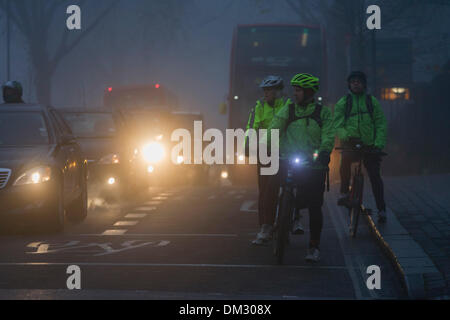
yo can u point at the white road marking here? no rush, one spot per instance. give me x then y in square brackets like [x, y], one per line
[135, 215]
[152, 203]
[104, 248]
[128, 245]
[47, 294]
[114, 232]
[161, 235]
[144, 209]
[159, 198]
[175, 265]
[247, 205]
[125, 223]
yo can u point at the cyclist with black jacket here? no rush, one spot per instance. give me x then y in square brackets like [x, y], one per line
[359, 119]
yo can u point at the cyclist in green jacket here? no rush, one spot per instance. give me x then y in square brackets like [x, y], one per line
[306, 128]
[359, 119]
[260, 118]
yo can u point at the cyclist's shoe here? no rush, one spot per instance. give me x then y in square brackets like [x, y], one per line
[297, 227]
[313, 255]
[344, 201]
[382, 216]
[264, 236]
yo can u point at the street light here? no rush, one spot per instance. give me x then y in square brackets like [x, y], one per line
[8, 40]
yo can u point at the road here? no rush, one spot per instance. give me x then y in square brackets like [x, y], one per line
[190, 243]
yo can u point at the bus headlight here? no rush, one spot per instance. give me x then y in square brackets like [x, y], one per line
[153, 152]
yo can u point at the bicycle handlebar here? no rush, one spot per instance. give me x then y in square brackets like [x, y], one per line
[362, 150]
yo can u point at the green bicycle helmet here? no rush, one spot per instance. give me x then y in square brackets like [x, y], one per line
[306, 81]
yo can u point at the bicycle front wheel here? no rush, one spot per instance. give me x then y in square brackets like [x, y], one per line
[354, 217]
[281, 234]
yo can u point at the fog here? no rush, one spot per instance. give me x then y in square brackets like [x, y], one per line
[186, 46]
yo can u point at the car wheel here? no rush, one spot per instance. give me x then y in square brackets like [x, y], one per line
[77, 210]
[55, 219]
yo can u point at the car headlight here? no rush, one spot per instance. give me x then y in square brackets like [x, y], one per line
[34, 176]
[110, 159]
[153, 152]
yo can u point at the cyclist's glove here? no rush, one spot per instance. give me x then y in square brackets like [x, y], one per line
[374, 149]
[324, 158]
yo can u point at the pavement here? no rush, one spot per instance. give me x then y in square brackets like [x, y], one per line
[192, 243]
[416, 236]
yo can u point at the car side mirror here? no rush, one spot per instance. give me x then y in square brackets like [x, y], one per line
[67, 139]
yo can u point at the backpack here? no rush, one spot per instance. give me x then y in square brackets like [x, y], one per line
[349, 104]
[315, 115]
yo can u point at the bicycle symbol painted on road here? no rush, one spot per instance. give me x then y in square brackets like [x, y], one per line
[93, 248]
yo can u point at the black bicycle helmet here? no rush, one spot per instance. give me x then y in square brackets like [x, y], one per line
[12, 92]
[358, 75]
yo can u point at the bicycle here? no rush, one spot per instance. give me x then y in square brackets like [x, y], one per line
[286, 205]
[355, 200]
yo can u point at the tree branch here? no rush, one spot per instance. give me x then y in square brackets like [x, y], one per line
[65, 48]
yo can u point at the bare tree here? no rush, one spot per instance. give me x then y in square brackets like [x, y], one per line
[35, 19]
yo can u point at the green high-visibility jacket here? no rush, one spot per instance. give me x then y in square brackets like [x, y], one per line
[359, 123]
[304, 136]
[262, 114]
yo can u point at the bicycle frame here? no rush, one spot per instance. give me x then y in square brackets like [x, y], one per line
[357, 189]
[285, 211]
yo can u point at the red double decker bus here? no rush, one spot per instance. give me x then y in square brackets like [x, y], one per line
[262, 50]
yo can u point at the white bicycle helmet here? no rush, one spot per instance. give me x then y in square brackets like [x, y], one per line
[272, 82]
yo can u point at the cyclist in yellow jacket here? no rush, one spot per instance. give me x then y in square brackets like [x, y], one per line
[260, 118]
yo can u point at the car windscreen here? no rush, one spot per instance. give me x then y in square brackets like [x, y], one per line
[23, 129]
[91, 125]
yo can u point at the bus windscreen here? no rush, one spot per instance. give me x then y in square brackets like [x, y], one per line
[279, 47]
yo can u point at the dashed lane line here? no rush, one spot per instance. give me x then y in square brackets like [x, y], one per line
[135, 215]
[247, 205]
[125, 223]
[152, 203]
[117, 232]
[143, 209]
[159, 198]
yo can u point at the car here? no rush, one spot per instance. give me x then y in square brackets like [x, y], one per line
[99, 133]
[148, 132]
[42, 169]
